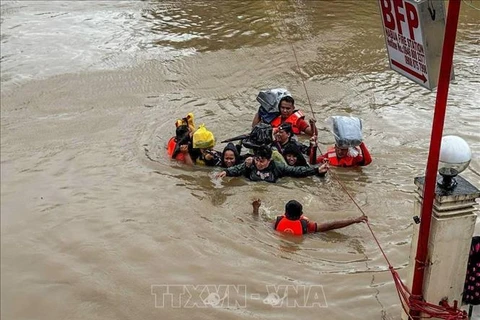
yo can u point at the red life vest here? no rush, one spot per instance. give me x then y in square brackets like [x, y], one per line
[333, 160]
[295, 227]
[171, 145]
[293, 120]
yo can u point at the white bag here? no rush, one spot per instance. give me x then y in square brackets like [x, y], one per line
[346, 130]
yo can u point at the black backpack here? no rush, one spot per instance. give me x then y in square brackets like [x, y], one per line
[261, 135]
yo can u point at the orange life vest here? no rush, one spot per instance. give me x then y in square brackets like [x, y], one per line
[293, 120]
[333, 160]
[295, 227]
[171, 145]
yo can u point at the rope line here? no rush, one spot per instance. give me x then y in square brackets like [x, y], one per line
[303, 81]
[407, 301]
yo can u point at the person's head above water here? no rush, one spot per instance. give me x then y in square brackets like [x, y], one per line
[181, 131]
[262, 157]
[263, 152]
[286, 106]
[340, 151]
[284, 132]
[293, 210]
[230, 156]
[293, 155]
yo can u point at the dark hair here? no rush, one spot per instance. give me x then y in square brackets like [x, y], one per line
[181, 131]
[293, 210]
[287, 127]
[286, 99]
[182, 137]
[293, 149]
[264, 152]
[236, 153]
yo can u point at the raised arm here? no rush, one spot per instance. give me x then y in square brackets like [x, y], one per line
[327, 226]
[308, 127]
[367, 158]
[256, 120]
[312, 150]
[186, 155]
[311, 128]
[256, 203]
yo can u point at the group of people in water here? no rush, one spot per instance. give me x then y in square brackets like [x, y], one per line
[273, 152]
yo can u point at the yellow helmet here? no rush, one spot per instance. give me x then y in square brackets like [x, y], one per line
[203, 138]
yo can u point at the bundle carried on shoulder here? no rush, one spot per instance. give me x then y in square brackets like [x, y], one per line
[269, 100]
[261, 135]
[346, 130]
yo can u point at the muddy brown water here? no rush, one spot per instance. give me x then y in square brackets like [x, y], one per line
[96, 222]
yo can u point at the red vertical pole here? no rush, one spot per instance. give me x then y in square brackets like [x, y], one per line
[434, 153]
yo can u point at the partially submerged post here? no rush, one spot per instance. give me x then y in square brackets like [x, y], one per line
[451, 231]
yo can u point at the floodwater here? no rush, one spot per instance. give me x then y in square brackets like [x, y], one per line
[96, 222]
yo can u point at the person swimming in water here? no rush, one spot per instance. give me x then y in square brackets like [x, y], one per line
[294, 222]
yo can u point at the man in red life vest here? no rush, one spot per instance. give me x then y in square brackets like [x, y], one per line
[349, 149]
[293, 221]
[346, 156]
[288, 114]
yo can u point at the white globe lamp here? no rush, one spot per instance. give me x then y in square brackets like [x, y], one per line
[455, 156]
